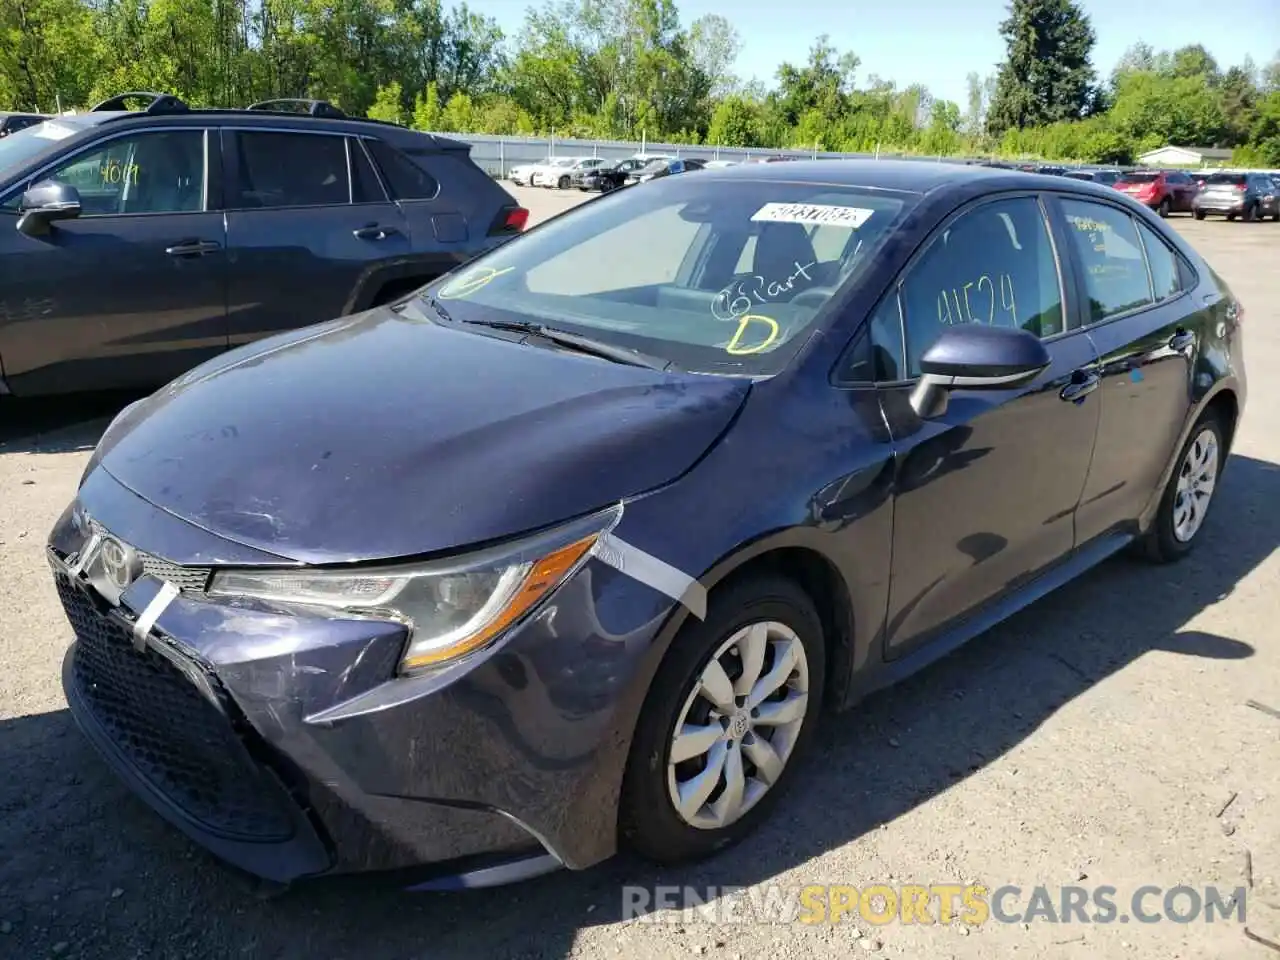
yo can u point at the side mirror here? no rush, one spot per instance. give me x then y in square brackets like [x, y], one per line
[45, 203]
[976, 357]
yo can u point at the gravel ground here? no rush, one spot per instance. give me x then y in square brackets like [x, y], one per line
[1095, 739]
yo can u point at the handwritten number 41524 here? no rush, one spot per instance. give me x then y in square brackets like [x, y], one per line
[979, 301]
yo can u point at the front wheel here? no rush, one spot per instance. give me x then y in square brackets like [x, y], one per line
[1189, 493]
[730, 712]
[564, 183]
[1164, 207]
[1199, 214]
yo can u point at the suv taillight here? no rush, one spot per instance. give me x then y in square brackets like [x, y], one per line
[509, 220]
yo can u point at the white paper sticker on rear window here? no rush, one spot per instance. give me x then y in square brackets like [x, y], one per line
[52, 131]
[817, 213]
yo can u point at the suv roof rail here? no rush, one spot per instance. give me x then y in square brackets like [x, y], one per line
[316, 108]
[159, 102]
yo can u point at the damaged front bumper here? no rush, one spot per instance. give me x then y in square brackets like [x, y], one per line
[288, 746]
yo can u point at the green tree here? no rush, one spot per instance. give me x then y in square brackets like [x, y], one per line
[426, 108]
[387, 104]
[735, 123]
[1047, 75]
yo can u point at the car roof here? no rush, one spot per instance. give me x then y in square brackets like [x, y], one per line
[129, 119]
[909, 176]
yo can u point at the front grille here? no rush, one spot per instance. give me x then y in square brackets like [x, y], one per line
[186, 579]
[171, 734]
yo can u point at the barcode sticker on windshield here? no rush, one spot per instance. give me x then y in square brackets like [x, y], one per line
[851, 217]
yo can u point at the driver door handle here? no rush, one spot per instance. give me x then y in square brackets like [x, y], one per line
[192, 248]
[1083, 383]
[374, 232]
[1182, 341]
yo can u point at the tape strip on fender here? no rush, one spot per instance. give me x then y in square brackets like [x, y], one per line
[142, 626]
[652, 572]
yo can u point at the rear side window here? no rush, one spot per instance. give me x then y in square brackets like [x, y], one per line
[1165, 282]
[1106, 241]
[407, 180]
[290, 170]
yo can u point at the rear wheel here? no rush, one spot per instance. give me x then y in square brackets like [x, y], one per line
[564, 183]
[1199, 214]
[1189, 493]
[731, 710]
[1231, 216]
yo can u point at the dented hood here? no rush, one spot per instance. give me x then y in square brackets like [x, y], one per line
[380, 436]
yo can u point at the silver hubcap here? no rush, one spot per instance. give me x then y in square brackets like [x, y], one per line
[739, 726]
[1196, 480]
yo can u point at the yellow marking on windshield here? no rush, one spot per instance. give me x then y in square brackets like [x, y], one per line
[467, 285]
[745, 321]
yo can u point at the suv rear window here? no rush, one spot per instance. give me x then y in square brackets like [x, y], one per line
[1235, 179]
[407, 180]
[1139, 177]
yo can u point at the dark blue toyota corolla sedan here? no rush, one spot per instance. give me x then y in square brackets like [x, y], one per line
[570, 548]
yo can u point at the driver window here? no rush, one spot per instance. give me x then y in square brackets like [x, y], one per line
[147, 173]
[995, 265]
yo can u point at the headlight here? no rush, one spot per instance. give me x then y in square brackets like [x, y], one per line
[451, 607]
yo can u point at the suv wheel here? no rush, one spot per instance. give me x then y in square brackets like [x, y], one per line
[564, 183]
[1164, 207]
[730, 712]
[1199, 214]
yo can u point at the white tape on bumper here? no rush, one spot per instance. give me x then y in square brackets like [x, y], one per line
[652, 572]
[142, 627]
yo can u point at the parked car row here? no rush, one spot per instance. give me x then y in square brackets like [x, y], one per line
[599, 174]
[255, 222]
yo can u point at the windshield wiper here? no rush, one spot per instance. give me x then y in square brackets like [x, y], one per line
[576, 342]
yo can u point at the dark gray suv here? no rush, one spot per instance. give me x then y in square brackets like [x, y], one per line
[135, 244]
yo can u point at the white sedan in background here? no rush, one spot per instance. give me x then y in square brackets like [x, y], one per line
[560, 172]
[522, 174]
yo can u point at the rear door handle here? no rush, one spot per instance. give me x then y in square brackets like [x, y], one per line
[1083, 383]
[192, 248]
[1182, 340]
[374, 232]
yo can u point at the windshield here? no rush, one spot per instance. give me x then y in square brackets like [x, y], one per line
[655, 165]
[725, 276]
[30, 142]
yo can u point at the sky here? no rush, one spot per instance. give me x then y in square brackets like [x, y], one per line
[938, 42]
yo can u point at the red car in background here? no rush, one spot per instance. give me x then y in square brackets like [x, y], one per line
[1164, 191]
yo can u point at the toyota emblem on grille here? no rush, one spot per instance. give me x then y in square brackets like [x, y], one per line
[119, 563]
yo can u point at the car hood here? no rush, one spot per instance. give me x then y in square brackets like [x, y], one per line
[386, 435]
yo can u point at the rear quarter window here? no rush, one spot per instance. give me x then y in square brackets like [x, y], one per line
[407, 178]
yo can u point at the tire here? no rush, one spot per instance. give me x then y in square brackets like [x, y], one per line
[1164, 207]
[649, 821]
[1231, 216]
[1168, 541]
[1199, 214]
[1250, 213]
[564, 183]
